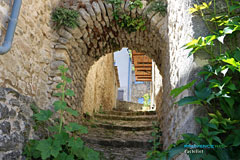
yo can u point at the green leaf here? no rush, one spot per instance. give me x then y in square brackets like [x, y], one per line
[53, 128]
[222, 154]
[62, 138]
[230, 101]
[229, 140]
[188, 137]
[175, 151]
[234, 7]
[210, 157]
[68, 80]
[71, 111]
[43, 115]
[175, 92]
[204, 93]
[236, 141]
[226, 79]
[201, 120]
[189, 100]
[197, 156]
[44, 147]
[58, 94]
[230, 61]
[63, 69]
[75, 144]
[55, 148]
[30, 149]
[69, 92]
[59, 85]
[200, 85]
[71, 127]
[237, 55]
[88, 154]
[217, 139]
[59, 105]
[64, 156]
[232, 86]
[49, 147]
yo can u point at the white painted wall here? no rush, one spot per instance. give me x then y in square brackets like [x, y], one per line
[122, 61]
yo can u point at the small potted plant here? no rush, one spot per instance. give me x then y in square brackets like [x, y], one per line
[146, 103]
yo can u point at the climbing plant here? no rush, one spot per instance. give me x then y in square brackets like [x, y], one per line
[217, 90]
[158, 6]
[156, 134]
[123, 19]
[65, 17]
[63, 143]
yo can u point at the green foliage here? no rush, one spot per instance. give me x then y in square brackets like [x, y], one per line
[62, 144]
[43, 115]
[65, 17]
[155, 152]
[218, 89]
[124, 20]
[175, 92]
[158, 6]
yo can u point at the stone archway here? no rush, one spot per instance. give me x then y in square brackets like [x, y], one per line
[98, 35]
[37, 51]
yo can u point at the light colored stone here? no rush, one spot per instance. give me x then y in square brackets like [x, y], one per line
[86, 17]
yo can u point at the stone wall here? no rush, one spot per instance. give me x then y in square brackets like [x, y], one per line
[138, 90]
[182, 28]
[27, 66]
[101, 86]
[15, 123]
[31, 66]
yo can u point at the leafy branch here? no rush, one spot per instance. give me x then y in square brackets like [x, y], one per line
[61, 144]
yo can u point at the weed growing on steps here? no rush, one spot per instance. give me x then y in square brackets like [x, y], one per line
[63, 144]
[156, 134]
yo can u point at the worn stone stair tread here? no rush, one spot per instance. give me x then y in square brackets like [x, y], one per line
[123, 125]
[130, 113]
[119, 135]
[126, 117]
[123, 153]
[118, 142]
[126, 128]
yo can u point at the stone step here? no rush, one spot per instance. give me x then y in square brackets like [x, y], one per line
[126, 118]
[124, 128]
[129, 113]
[119, 135]
[122, 125]
[123, 153]
[118, 143]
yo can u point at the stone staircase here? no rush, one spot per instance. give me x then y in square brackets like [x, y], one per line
[121, 135]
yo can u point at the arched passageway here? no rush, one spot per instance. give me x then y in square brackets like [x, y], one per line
[38, 50]
[98, 34]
